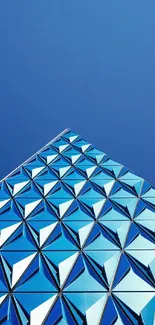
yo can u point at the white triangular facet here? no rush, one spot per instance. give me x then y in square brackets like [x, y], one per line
[19, 186]
[75, 158]
[63, 170]
[46, 231]
[20, 267]
[84, 232]
[99, 158]
[7, 232]
[30, 207]
[62, 148]
[78, 187]
[122, 232]
[94, 313]
[97, 207]
[108, 187]
[71, 139]
[2, 298]
[49, 186]
[63, 207]
[110, 266]
[90, 170]
[36, 171]
[38, 315]
[50, 158]
[85, 147]
[4, 202]
[65, 267]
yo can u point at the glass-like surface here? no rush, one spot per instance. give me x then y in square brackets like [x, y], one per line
[77, 240]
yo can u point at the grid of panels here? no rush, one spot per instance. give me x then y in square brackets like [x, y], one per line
[77, 235]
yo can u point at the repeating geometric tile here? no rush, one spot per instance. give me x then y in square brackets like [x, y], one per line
[77, 239]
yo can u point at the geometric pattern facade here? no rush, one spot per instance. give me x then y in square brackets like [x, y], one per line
[77, 239]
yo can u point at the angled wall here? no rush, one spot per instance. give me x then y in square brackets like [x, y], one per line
[77, 234]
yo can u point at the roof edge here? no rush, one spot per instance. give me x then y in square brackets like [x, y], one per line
[27, 160]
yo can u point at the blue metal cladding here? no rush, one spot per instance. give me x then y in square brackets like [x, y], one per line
[77, 235]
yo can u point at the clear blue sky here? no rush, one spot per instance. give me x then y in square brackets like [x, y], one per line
[87, 65]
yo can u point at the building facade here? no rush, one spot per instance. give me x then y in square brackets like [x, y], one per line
[77, 235]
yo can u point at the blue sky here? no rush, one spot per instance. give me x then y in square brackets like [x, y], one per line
[87, 65]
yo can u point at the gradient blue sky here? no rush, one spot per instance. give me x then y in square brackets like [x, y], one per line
[87, 65]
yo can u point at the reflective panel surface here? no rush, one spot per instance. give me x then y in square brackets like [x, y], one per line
[77, 239]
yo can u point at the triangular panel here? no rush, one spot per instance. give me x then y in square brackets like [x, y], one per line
[77, 239]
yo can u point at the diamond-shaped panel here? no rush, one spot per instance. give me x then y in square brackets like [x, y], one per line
[77, 239]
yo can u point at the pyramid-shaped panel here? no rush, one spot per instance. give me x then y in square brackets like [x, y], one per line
[77, 239]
